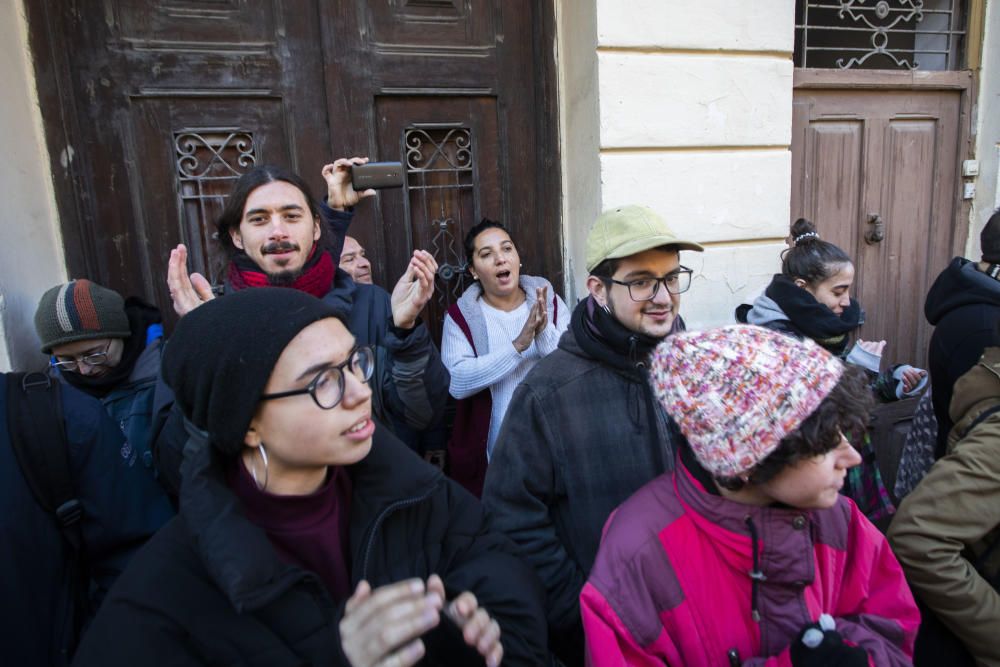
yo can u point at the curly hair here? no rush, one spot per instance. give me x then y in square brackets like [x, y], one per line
[844, 411]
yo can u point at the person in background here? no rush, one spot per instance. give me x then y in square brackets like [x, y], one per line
[276, 234]
[110, 348]
[50, 585]
[963, 304]
[355, 262]
[945, 533]
[811, 298]
[583, 431]
[493, 335]
[746, 554]
[308, 534]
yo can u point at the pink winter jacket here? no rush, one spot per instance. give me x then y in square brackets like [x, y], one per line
[671, 582]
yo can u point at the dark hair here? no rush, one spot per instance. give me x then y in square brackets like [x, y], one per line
[476, 230]
[606, 269]
[989, 239]
[811, 258]
[232, 214]
[844, 410]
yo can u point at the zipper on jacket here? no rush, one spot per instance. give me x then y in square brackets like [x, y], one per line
[399, 504]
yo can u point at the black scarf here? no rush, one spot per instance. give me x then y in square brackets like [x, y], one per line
[811, 317]
[606, 339]
[140, 316]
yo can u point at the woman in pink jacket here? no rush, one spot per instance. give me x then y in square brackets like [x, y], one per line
[746, 554]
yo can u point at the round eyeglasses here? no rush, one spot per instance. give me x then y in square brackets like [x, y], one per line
[645, 289]
[327, 388]
[92, 360]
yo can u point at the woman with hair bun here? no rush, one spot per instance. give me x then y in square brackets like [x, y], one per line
[811, 298]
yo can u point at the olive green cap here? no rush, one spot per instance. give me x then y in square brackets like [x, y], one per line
[628, 230]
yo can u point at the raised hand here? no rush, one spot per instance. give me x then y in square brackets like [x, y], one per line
[911, 378]
[186, 291]
[542, 297]
[479, 630]
[872, 347]
[340, 193]
[536, 316]
[414, 289]
[382, 628]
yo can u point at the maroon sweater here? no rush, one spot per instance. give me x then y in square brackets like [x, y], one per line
[309, 531]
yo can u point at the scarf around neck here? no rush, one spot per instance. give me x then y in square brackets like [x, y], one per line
[811, 317]
[606, 339]
[316, 279]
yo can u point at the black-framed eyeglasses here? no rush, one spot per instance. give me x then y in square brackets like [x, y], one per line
[93, 359]
[645, 289]
[327, 388]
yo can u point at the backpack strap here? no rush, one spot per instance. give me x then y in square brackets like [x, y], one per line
[980, 418]
[38, 436]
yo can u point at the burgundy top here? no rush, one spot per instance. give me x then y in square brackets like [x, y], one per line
[308, 531]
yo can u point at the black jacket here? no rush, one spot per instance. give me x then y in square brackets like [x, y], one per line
[963, 304]
[581, 435]
[210, 589]
[122, 507]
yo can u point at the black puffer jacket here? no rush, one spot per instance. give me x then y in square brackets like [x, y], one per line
[210, 589]
[963, 304]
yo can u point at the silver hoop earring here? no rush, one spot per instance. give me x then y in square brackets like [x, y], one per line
[253, 470]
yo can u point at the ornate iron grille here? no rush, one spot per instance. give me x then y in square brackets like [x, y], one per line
[440, 198]
[208, 161]
[880, 34]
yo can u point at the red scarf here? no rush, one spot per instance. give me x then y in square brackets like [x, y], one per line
[316, 278]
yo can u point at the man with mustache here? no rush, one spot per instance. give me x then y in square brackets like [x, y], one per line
[583, 431]
[276, 234]
[354, 260]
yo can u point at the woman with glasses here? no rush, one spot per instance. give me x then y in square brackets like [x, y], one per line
[308, 534]
[493, 335]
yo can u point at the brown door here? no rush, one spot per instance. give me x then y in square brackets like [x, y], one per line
[866, 163]
[153, 109]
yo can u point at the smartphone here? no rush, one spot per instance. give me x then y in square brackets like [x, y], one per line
[377, 175]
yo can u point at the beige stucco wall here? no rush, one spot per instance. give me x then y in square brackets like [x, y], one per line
[987, 128]
[692, 114]
[31, 258]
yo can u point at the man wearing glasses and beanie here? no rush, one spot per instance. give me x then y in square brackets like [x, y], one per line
[583, 431]
[107, 347]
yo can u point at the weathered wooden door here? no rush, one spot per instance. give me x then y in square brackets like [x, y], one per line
[871, 163]
[153, 108]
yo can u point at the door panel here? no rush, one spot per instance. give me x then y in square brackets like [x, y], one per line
[893, 154]
[157, 107]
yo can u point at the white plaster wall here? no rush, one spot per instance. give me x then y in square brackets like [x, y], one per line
[693, 108]
[576, 61]
[696, 24]
[987, 122]
[693, 100]
[31, 257]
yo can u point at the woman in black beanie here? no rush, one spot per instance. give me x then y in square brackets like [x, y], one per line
[308, 534]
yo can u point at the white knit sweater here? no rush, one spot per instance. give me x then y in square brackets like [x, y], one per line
[503, 367]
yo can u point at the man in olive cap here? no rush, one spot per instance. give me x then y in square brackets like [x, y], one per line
[583, 432]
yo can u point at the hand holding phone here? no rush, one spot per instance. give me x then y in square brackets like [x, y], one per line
[377, 175]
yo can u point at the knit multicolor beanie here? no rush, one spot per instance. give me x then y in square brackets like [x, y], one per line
[737, 391]
[79, 310]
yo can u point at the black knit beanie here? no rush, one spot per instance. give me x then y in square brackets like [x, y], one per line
[989, 239]
[222, 353]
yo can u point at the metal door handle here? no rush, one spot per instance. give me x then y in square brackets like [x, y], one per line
[876, 232]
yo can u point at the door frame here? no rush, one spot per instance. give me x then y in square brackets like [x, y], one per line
[957, 80]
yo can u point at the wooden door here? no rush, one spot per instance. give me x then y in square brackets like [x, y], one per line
[153, 109]
[864, 156]
[460, 92]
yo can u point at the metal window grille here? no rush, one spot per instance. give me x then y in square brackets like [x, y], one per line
[208, 161]
[880, 34]
[440, 193]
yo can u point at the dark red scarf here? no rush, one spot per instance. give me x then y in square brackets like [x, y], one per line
[316, 278]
